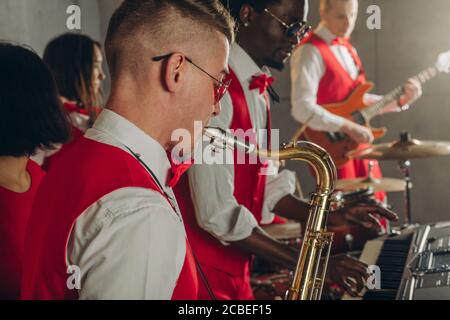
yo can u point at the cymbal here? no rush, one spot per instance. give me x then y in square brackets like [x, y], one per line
[403, 150]
[384, 184]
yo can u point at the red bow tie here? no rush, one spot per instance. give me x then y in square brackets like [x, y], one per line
[177, 171]
[340, 41]
[261, 82]
[72, 107]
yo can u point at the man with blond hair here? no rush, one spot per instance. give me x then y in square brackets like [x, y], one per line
[325, 70]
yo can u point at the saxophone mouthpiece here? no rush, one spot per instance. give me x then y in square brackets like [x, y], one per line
[223, 140]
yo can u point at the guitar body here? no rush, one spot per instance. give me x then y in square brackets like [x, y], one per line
[339, 144]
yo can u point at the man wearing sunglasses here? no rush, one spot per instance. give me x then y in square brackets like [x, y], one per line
[223, 205]
[109, 227]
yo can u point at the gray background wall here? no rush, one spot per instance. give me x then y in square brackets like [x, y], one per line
[412, 34]
[34, 22]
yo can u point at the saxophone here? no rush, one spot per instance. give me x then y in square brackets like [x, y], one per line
[312, 263]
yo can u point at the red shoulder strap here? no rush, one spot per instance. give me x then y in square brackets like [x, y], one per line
[241, 114]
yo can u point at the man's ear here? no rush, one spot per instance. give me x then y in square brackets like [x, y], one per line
[246, 15]
[174, 71]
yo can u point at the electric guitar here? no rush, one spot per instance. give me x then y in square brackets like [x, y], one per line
[339, 144]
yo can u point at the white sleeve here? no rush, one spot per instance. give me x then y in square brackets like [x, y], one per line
[278, 185]
[212, 192]
[307, 69]
[128, 245]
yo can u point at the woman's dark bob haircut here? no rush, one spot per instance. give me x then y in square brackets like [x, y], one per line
[31, 115]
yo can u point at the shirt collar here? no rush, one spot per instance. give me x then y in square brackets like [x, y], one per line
[323, 32]
[126, 134]
[243, 65]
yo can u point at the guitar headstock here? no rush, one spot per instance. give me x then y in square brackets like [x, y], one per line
[443, 62]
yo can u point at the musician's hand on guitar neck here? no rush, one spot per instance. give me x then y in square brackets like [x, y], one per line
[357, 132]
[412, 91]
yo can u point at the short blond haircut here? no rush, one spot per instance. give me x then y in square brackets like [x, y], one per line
[326, 4]
[162, 22]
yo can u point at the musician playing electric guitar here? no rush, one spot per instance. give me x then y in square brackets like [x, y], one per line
[326, 70]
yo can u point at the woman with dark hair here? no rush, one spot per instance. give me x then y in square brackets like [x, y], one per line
[32, 117]
[76, 63]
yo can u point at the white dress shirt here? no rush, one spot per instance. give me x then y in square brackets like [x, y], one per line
[130, 244]
[307, 70]
[212, 186]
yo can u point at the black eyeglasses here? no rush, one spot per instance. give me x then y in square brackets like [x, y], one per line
[220, 87]
[297, 29]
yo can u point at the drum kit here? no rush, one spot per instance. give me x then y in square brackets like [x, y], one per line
[403, 151]
[272, 284]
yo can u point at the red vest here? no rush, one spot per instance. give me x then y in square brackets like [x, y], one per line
[336, 86]
[71, 187]
[76, 134]
[15, 209]
[249, 192]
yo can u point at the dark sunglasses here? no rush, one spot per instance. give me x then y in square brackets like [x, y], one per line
[220, 87]
[297, 29]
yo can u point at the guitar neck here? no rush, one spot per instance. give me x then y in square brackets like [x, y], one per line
[395, 94]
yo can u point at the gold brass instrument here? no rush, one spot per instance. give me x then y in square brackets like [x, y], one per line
[312, 263]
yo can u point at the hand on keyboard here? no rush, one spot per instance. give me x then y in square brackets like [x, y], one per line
[347, 273]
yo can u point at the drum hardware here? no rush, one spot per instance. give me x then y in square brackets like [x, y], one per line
[403, 151]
